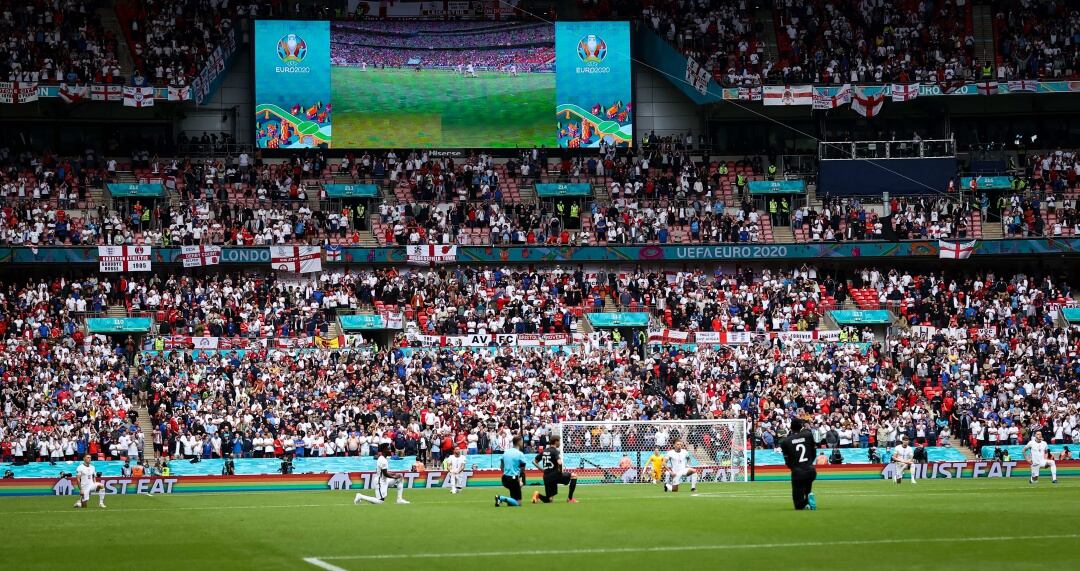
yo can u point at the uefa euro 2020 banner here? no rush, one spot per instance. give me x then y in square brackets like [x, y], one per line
[444, 85]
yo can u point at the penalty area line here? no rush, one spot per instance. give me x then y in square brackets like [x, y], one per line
[322, 564]
[322, 560]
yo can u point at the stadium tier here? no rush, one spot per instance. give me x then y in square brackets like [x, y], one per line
[677, 266]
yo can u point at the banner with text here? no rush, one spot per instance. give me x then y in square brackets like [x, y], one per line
[124, 258]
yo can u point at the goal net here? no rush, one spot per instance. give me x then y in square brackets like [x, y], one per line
[617, 452]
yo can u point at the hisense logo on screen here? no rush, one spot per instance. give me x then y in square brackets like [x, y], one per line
[291, 50]
[592, 50]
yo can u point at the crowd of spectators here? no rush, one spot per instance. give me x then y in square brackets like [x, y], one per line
[56, 42]
[1036, 40]
[870, 41]
[723, 37]
[971, 358]
[1044, 196]
[474, 223]
[172, 41]
[904, 218]
[761, 302]
[627, 221]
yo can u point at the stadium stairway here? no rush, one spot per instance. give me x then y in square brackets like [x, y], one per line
[783, 234]
[763, 19]
[334, 330]
[992, 230]
[583, 326]
[527, 194]
[147, 426]
[968, 453]
[600, 194]
[111, 23]
[983, 20]
[116, 311]
[97, 196]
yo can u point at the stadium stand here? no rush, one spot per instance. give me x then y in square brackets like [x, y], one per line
[874, 42]
[905, 387]
[1036, 40]
[171, 42]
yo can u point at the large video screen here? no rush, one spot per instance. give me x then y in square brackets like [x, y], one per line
[438, 84]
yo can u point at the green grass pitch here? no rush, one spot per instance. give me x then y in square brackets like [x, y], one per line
[383, 108]
[938, 524]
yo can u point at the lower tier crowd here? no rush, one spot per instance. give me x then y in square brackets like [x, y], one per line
[971, 359]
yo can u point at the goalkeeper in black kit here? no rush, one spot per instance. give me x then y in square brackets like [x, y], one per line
[799, 453]
[551, 462]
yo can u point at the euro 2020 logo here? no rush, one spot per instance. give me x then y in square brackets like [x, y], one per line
[291, 49]
[592, 49]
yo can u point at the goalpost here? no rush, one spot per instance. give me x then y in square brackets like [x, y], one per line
[612, 452]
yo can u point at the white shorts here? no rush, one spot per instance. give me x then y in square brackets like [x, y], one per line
[87, 490]
[383, 486]
[900, 467]
[677, 476]
[1041, 464]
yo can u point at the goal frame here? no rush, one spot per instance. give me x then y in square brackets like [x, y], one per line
[737, 424]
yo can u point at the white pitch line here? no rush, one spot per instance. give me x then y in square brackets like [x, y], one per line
[196, 508]
[320, 563]
[678, 548]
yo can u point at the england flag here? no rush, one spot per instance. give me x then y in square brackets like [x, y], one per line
[987, 87]
[955, 250]
[822, 100]
[1023, 86]
[902, 93]
[868, 106]
[296, 259]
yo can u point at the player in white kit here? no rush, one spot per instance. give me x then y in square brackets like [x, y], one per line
[513, 70]
[470, 70]
[457, 471]
[383, 480]
[678, 464]
[903, 458]
[86, 476]
[1038, 453]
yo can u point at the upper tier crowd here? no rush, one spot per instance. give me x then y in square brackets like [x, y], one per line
[870, 41]
[660, 194]
[826, 41]
[55, 42]
[973, 359]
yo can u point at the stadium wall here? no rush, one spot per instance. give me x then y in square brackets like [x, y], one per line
[233, 100]
[485, 478]
[663, 109]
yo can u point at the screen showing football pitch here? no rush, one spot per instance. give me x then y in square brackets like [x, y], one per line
[438, 84]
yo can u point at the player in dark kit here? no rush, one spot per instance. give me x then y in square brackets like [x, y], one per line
[550, 461]
[799, 454]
